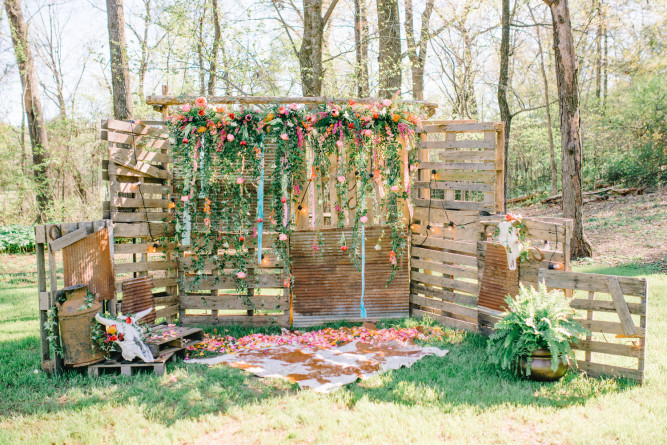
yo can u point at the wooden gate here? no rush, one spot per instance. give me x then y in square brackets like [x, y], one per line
[614, 310]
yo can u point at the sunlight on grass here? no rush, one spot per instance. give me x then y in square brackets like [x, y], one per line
[457, 398]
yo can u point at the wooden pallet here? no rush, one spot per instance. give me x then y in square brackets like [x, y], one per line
[127, 368]
[182, 338]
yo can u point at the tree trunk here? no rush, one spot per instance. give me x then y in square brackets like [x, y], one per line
[389, 57]
[143, 64]
[310, 54]
[361, 45]
[200, 52]
[212, 72]
[545, 81]
[568, 99]
[120, 72]
[598, 53]
[503, 86]
[33, 106]
[417, 50]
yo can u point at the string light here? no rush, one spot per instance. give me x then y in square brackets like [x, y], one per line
[153, 248]
[451, 225]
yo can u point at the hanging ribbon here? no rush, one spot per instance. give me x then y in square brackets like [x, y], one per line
[363, 269]
[260, 201]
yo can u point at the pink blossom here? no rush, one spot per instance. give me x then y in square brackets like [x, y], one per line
[185, 108]
[282, 237]
[282, 110]
[185, 198]
[394, 188]
[368, 132]
[339, 143]
[292, 106]
[363, 219]
[240, 180]
[230, 137]
[200, 102]
[241, 275]
[284, 136]
[387, 102]
[341, 179]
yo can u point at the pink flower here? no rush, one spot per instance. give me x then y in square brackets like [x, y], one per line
[240, 180]
[282, 237]
[387, 102]
[230, 137]
[200, 102]
[185, 108]
[363, 219]
[394, 188]
[341, 179]
[284, 136]
[368, 132]
[292, 106]
[241, 275]
[282, 110]
[339, 143]
[185, 198]
[335, 113]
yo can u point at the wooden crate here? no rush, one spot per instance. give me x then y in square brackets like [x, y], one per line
[180, 337]
[614, 310]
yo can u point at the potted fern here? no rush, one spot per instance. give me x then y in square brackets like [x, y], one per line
[534, 335]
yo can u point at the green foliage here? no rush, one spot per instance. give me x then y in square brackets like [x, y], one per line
[17, 239]
[537, 319]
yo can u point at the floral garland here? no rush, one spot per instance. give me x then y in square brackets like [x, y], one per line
[219, 154]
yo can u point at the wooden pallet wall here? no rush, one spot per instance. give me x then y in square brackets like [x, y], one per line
[139, 191]
[460, 174]
[614, 310]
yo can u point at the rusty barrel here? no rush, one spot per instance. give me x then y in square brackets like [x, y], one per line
[75, 320]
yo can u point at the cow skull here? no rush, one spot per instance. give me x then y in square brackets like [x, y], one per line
[132, 345]
[509, 238]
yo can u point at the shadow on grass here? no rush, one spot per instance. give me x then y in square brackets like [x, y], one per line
[466, 378]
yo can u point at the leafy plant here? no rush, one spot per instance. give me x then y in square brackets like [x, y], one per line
[17, 239]
[536, 319]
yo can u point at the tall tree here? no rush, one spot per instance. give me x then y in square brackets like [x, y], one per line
[120, 72]
[417, 49]
[389, 57]
[310, 52]
[503, 82]
[568, 100]
[545, 81]
[32, 105]
[217, 38]
[361, 47]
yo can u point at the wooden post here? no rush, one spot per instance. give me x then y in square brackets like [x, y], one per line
[165, 108]
[53, 288]
[41, 288]
[501, 204]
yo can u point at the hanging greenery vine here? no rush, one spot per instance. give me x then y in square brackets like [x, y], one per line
[219, 156]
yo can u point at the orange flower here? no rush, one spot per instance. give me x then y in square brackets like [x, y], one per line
[200, 102]
[201, 129]
[269, 117]
[396, 117]
[112, 329]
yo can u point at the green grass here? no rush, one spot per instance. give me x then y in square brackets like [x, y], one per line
[458, 398]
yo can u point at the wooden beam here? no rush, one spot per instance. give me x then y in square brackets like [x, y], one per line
[622, 309]
[68, 239]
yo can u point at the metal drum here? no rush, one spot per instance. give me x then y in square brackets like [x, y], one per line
[75, 318]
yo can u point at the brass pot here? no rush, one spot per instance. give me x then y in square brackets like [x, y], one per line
[540, 367]
[74, 320]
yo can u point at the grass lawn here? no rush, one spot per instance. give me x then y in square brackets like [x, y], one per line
[458, 398]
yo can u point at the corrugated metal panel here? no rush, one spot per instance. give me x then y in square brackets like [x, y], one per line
[497, 280]
[138, 296]
[89, 262]
[327, 287]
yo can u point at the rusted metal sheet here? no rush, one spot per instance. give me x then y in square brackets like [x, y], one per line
[497, 280]
[88, 261]
[328, 287]
[138, 296]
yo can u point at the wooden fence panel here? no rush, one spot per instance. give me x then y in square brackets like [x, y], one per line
[614, 310]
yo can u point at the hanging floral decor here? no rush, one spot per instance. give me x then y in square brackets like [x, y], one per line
[220, 158]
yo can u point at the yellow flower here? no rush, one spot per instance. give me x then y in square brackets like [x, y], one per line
[112, 329]
[201, 129]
